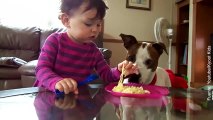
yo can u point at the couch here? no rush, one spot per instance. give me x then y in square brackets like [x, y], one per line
[25, 44]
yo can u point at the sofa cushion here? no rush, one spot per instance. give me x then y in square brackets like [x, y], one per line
[46, 32]
[11, 62]
[23, 43]
[29, 68]
[9, 73]
[10, 84]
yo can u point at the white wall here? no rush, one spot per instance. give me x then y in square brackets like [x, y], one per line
[140, 23]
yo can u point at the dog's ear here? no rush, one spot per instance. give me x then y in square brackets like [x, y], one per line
[160, 47]
[128, 40]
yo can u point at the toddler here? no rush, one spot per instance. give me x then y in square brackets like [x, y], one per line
[69, 57]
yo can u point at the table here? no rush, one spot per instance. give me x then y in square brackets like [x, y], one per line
[94, 103]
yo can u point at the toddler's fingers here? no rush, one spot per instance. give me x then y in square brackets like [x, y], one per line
[129, 65]
[136, 71]
[74, 83]
[135, 68]
[125, 63]
[66, 88]
[70, 85]
[75, 89]
[59, 87]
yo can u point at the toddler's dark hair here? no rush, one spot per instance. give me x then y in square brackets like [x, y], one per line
[68, 6]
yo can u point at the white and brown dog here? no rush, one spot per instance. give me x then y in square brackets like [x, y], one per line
[146, 56]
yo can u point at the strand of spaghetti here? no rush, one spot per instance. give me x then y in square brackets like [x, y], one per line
[122, 76]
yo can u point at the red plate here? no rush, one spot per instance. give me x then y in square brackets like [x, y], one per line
[155, 91]
[139, 102]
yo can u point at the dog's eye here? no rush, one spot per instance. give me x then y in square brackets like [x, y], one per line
[148, 62]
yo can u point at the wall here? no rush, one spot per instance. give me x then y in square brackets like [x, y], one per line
[139, 23]
[120, 19]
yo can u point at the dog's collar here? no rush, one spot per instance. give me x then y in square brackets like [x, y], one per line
[154, 80]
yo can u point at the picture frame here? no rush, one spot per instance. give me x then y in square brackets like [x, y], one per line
[139, 4]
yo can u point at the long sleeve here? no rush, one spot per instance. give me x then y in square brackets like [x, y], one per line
[61, 58]
[45, 69]
[106, 73]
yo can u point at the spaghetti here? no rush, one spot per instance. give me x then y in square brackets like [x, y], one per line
[128, 89]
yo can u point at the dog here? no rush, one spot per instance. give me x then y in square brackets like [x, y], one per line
[141, 109]
[146, 56]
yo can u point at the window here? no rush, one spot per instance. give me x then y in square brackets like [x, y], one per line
[27, 13]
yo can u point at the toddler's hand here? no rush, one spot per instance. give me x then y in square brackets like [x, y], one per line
[68, 102]
[129, 67]
[67, 85]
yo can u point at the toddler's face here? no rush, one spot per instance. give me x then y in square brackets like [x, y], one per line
[83, 25]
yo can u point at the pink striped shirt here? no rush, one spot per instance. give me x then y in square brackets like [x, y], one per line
[60, 58]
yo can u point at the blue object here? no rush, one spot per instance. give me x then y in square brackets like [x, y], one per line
[90, 78]
[59, 94]
[87, 80]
